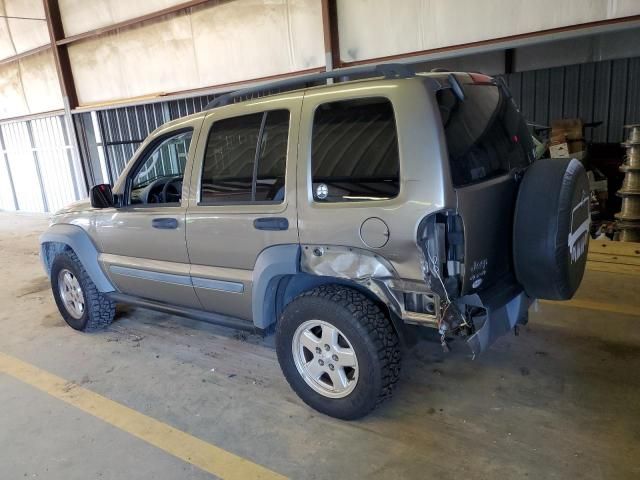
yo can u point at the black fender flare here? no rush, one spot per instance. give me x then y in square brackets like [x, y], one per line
[61, 236]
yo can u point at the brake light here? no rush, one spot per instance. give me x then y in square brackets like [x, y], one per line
[480, 78]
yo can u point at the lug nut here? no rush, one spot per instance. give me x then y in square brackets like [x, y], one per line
[327, 347]
[334, 358]
[321, 362]
[331, 367]
[318, 350]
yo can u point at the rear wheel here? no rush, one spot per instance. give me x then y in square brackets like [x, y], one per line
[80, 303]
[338, 351]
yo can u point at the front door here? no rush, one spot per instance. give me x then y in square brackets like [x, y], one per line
[244, 199]
[143, 242]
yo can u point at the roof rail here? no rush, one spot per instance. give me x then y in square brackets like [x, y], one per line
[387, 70]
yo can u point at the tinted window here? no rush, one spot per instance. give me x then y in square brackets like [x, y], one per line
[163, 163]
[230, 173]
[355, 151]
[227, 172]
[486, 135]
[273, 157]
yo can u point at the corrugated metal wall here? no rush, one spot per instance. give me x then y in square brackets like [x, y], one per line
[115, 134]
[607, 91]
[39, 171]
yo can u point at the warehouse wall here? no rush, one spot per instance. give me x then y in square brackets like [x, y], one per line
[223, 42]
[39, 170]
[17, 35]
[379, 28]
[80, 16]
[607, 91]
[29, 86]
[204, 46]
[585, 49]
[218, 44]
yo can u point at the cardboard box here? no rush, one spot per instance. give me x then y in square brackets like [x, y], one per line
[560, 150]
[567, 139]
[571, 128]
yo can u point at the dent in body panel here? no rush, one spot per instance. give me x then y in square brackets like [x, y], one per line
[344, 262]
[372, 272]
[357, 265]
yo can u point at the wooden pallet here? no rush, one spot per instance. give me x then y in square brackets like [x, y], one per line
[614, 257]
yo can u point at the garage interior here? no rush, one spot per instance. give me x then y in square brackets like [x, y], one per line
[83, 83]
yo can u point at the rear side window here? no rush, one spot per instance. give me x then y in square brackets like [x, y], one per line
[486, 135]
[245, 159]
[354, 154]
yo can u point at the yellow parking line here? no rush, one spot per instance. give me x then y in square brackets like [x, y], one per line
[621, 308]
[186, 447]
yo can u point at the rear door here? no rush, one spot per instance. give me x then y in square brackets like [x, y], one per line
[489, 149]
[244, 198]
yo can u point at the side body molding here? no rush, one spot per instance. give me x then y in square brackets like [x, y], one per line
[58, 237]
[272, 264]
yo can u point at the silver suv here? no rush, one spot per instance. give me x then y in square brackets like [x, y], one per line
[340, 217]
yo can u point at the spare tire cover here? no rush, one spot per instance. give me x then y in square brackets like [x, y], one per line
[551, 228]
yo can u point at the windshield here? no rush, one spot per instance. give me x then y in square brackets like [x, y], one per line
[486, 135]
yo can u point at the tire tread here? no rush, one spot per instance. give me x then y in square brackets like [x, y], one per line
[378, 326]
[100, 309]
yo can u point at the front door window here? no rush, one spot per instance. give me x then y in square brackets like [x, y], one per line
[158, 178]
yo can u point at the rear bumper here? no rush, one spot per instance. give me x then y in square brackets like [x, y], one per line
[500, 308]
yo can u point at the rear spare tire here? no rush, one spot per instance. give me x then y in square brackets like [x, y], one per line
[551, 228]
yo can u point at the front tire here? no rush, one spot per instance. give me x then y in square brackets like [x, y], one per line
[79, 301]
[338, 351]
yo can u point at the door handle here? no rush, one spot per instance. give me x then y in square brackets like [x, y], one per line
[271, 223]
[164, 223]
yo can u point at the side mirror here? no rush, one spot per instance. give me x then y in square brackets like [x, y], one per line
[101, 196]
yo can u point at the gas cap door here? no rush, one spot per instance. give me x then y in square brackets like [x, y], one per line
[374, 232]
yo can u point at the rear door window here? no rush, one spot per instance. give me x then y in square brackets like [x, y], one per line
[245, 159]
[354, 154]
[486, 135]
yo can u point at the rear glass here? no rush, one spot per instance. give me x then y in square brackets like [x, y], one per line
[486, 135]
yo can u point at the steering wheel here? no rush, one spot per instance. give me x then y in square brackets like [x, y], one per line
[164, 195]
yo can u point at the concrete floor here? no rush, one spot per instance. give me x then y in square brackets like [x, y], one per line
[560, 401]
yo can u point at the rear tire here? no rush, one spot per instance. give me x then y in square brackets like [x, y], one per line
[365, 349]
[79, 301]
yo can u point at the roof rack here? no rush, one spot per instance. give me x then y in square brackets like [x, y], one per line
[387, 70]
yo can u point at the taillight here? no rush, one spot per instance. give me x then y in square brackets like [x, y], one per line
[480, 78]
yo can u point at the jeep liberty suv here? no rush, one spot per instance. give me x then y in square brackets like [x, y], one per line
[337, 217]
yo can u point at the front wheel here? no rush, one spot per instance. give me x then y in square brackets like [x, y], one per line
[81, 304]
[338, 351]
